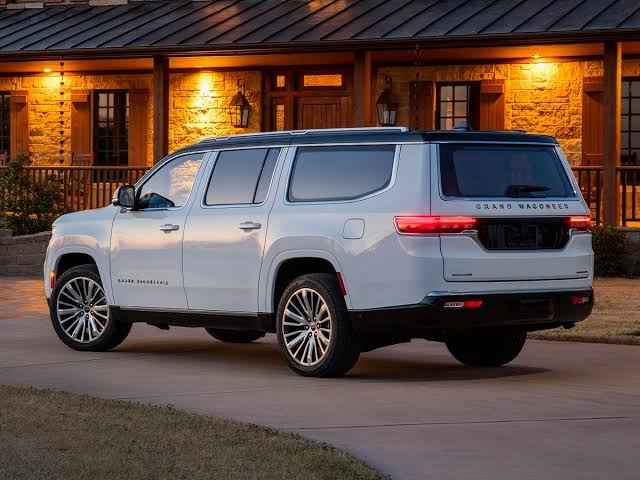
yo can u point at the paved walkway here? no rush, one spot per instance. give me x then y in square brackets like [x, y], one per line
[561, 411]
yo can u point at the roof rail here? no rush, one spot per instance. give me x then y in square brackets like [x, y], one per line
[307, 132]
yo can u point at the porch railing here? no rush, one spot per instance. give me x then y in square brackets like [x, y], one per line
[85, 187]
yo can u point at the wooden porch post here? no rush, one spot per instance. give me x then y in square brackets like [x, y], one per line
[612, 83]
[362, 90]
[160, 107]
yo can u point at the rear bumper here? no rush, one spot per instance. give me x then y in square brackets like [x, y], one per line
[530, 310]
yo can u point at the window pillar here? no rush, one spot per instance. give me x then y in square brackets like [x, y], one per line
[612, 91]
[160, 107]
[362, 91]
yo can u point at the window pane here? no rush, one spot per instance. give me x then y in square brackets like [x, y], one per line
[235, 176]
[280, 119]
[460, 109]
[5, 129]
[280, 81]
[635, 88]
[635, 122]
[323, 80]
[446, 93]
[493, 171]
[461, 92]
[625, 88]
[171, 185]
[340, 173]
[265, 176]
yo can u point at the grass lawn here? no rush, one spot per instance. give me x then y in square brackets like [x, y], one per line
[53, 435]
[615, 317]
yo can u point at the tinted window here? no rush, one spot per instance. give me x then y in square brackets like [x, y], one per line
[241, 176]
[502, 171]
[340, 172]
[171, 184]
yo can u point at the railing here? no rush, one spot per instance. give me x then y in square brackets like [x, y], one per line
[590, 181]
[86, 187]
[629, 193]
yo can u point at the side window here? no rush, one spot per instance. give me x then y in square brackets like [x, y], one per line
[340, 172]
[171, 185]
[241, 176]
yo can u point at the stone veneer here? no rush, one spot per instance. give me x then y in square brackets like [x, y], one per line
[539, 97]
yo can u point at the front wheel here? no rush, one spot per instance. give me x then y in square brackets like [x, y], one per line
[80, 312]
[314, 331]
[491, 348]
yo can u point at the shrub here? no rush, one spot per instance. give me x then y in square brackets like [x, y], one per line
[610, 248]
[28, 206]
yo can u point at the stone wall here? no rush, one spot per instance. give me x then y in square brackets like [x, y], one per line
[23, 255]
[44, 108]
[199, 101]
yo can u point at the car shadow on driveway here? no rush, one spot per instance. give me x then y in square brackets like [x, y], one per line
[265, 357]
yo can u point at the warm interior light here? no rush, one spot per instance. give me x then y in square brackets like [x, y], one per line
[535, 56]
[47, 70]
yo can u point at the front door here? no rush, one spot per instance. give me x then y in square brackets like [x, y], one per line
[146, 243]
[226, 230]
[300, 98]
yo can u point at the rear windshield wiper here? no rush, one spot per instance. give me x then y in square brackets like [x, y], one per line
[524, 190]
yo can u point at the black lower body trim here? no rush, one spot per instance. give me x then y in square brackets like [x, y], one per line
[261, 322]
[430, 319]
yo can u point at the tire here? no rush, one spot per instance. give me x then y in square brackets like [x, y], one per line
[329, 328]
[234, 336]
[97, 330]
[493, 348]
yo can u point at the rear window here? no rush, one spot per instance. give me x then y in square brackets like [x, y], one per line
[340, 173]
[519, 171]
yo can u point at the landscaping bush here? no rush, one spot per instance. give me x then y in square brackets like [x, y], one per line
[610, 248]
[26, 205]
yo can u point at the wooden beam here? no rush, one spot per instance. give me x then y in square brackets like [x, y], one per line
[362, 88]
[160, 108]
[612, 88]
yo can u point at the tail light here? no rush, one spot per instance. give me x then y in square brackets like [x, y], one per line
[580, 223]
[464, 305]
[423, 224]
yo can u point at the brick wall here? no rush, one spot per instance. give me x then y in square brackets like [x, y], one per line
[23, 255]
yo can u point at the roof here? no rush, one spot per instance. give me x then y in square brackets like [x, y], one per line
[367, 135]
[195, 26]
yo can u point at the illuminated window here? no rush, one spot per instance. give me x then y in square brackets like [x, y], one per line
[281, 81]
[456, 103]
[322, 80]
[280, 124]
[111, 127]
[4, 124]
[630, 121]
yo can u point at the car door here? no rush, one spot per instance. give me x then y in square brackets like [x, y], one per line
[146, 242]
[225, 232]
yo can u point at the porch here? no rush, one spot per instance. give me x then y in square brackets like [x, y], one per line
[96, 111]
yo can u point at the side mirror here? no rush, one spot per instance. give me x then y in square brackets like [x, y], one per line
[125, 196]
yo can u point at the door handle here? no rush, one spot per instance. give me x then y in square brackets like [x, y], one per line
[248, 226]
[169, 227]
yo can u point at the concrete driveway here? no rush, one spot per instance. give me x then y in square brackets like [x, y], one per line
[561, 411]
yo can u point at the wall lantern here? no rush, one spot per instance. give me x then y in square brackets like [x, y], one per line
[386, 107]
[239, 108]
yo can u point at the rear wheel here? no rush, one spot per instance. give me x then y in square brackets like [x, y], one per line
[80, 312]
[234, 336]
[491, 348]
[314, 331]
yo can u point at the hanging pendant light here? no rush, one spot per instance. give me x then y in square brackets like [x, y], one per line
[386, 107]
[239, 108]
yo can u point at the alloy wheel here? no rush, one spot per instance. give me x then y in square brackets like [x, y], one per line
[82, 309]
[307, 327]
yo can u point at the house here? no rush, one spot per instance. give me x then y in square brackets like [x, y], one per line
[114, 85]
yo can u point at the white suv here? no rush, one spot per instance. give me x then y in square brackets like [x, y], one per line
[338, 241]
